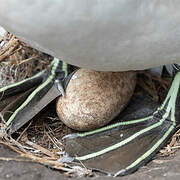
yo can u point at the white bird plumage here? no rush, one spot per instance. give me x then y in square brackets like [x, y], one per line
[108, 35]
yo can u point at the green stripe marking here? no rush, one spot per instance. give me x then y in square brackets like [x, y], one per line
[21, 82]
[52, 75]
[65, 68]
[113, 126]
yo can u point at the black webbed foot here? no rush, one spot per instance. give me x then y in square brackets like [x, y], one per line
[21, 101]
[123, 147]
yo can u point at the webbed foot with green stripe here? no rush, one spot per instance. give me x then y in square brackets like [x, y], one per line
[123, 147]
[21, 101]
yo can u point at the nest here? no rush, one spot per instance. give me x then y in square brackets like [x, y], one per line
[19, 61]
[41, 140]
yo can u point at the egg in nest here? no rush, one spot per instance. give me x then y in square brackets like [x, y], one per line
[94, 98]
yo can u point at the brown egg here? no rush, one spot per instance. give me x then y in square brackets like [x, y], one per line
[94, 98]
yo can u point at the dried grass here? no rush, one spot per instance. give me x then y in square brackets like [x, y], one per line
[41, 142]
[19, 61]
